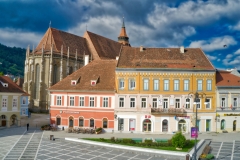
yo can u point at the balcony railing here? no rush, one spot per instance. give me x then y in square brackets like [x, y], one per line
[229, 109]
[168, 111]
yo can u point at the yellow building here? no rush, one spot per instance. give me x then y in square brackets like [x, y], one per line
[11, 99]
[156, 89]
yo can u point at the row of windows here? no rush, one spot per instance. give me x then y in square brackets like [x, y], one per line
[165, 103]
[105, 102]
[156, 87]
[81, 122]
[5, 104]
[224, 102]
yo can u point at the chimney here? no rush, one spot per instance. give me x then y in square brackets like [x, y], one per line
[141, 48]
[117, 57]
[86, 60]
[182, 49]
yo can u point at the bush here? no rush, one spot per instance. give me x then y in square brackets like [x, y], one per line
[210, 156]
[98, 129]
[170, 142]
[128, 141]
[112, 139]
[178, 140]
[148, 140]
[188, 142]
[102, 139]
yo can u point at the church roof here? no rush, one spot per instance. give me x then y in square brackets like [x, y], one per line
[101, 71]
[102, 47]
[165, 58]
[58, 38]
[227, 79]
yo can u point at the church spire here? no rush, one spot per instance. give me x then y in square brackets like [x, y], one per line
[123, 38]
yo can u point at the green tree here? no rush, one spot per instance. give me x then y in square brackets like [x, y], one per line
[178, 140]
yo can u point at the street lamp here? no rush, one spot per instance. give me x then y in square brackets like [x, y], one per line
[196, 101]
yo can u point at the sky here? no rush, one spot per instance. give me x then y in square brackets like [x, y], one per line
[213, 25]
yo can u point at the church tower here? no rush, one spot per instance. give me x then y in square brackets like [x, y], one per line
[123, 38]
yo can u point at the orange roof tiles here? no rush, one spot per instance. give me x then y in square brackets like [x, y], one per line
[12, 87]
[58, 38]
[192, 58]
[225, 78]
[101, 70]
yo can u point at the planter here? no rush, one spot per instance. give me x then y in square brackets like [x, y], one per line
[179, 149]
[99, 132]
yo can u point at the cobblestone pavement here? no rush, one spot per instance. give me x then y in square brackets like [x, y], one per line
[17, 143]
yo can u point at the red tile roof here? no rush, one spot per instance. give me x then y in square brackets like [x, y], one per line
[59, 38]
[101, 70]
[12, 87]
[225, 78]
[104, 47]
[169, 58]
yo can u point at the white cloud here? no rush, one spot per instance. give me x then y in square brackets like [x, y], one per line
[237, 52]
[218, 60]
[211, 57]
[229, 56]
[12, 37]
[236, 27]
[214, 43]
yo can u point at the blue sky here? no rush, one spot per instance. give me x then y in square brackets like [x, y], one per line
[213, 25]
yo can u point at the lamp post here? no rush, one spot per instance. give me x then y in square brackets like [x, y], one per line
[196, 101]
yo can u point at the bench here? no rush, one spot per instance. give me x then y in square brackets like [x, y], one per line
[206, 149]
[161, 140]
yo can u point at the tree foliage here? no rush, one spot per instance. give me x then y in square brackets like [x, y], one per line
[12, 60]
[178, 140]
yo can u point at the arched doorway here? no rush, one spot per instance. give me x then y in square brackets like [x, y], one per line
[3, 120]
[222, 124]
[70, 122]
[182, 125]
[147, 125]
[165, 125]
[234, 125]
[13, 120]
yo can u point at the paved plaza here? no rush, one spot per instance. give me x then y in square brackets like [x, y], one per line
[17, 143]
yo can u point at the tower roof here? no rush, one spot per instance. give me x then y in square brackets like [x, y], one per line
[123, 32]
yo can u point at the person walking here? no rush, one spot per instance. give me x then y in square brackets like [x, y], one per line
[27, 126]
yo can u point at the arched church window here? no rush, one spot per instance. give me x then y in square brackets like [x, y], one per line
[70, 70]
[56, 74]
[37, 79]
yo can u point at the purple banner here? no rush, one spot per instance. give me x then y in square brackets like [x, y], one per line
[194, 132]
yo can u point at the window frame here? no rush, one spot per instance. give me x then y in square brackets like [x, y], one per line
[235, 102]
[143, 103]
[105, 102]
[176, 85]
[105, 120]
[81, 119]
[14, 102]
[186, 85]
[165, 103]
[90, 124]
[199, 85]
[132, 102]
[154, 102]
[177, 104]
[145, 84]
[71, 101]
[209, 103]
[121, 83]
[187, 106]
[209, 85]
[81, 101]
[59, 100]
[166, 84]
[121, 102]
[91, 101]
[132, 84]
[223, 106]
[156, 85]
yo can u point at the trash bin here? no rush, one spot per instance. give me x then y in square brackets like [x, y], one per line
[187, 157]
[51, 137]
[63, 128]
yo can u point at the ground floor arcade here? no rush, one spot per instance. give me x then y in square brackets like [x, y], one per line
[8, 119]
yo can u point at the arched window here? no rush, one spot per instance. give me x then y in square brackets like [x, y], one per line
[223, 125]
[165, 125]
[56, 74]
[81, 122]
[71, 122]
[37, 79]
[91, 122]
[105, 123]
[58, 120]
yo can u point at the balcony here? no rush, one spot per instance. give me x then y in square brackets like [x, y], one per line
[228, 109]
[168, 111]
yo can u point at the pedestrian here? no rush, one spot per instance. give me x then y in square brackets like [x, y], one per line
[27, 126]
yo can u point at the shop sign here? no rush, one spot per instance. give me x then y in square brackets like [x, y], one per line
[194, 132]
[231, 114]
[70, 112]
[183, 117]
[147, 116]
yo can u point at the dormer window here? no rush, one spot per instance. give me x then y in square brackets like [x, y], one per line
[93, 82]
[4, 84]
[73, 82]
